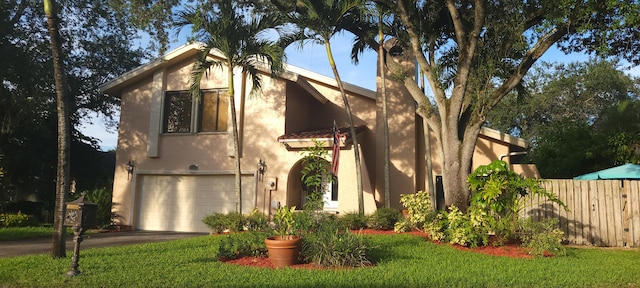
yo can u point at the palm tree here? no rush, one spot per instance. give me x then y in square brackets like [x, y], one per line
[226, 28]
[58, 248]
[319, 21]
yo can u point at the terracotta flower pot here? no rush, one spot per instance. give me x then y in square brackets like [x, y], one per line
[283, 252]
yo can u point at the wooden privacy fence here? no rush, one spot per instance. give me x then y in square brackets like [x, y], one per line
[601, 212]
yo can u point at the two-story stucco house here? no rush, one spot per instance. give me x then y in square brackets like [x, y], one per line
[173, 159]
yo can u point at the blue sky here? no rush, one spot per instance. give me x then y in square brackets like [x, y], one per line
[313, 57]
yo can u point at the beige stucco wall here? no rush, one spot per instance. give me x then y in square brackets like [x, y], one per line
[262, 120]
[282, 107]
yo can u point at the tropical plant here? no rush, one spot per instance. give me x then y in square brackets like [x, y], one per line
[284, 221]
[498, 190]
[319, 21]
[419, 208]
[316, 175]
[241, 40]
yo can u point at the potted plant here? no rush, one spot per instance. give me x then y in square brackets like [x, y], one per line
[284, 248]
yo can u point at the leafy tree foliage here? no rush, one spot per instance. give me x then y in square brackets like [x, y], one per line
[581, 117]
[240, 39]
[474, 53]
[96, 46]
[578, 91]
[319, 21]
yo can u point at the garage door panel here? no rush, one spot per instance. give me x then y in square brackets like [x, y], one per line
[179, 202]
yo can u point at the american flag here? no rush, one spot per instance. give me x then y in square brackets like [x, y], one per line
[336, 150]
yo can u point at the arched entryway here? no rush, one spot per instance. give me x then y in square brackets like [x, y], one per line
[296, 192]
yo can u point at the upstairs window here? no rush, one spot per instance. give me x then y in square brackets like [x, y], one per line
[184, 113]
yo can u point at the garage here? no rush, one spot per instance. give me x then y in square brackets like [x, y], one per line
[179, 202]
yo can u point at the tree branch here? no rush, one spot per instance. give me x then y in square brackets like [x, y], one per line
[543, 44]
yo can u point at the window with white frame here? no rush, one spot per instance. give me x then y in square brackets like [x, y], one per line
[184, 113]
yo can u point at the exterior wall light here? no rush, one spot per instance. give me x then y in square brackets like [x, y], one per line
[130, 167]
[262, 167]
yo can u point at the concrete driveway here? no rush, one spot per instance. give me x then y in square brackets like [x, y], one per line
[43, 245]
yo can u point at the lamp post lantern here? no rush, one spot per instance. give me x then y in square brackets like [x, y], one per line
[80, 215]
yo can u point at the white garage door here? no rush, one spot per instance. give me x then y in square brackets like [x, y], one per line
[179, 202]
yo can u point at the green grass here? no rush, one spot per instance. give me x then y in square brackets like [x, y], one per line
[402, 261]
[19, 233]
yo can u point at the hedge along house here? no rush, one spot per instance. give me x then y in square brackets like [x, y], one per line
[173, 158]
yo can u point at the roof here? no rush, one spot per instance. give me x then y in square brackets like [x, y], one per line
[626, 171]
[303, 139]
[504, 137]
[292, 73]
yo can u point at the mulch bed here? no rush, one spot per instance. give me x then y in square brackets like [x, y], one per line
[508, 250]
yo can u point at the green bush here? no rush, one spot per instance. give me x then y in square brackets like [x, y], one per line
[353, 220]
[437, 227]
[235, 222]
[102, 197]
[419, 208]
[331, 246]
[384, 218]
[403, 225]
[17, 220]
[231, 222]
[217, 222]
[234, 246]
[469, 229]
[309, 221]
[257, 221]
[542, 236]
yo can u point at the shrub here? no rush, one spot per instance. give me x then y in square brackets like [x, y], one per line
[309, 221]
[235, 221]
[239, 245]
[419, 208]
[498, 191]
[437, 227]
[542, 236]
[403, 225]
[384, 218]
[330, 246]
[353, 220]
[467, 229]
[17, 220]
[101, 197]
[217, 222]
[257, 221]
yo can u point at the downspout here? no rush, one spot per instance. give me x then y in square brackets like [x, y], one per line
[513, 154]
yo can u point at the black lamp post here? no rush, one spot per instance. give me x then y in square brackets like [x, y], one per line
[80, 215]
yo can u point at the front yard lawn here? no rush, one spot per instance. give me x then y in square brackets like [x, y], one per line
[401, 261]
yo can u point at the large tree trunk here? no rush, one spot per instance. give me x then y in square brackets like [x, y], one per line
[58, 249]
[457, 160]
